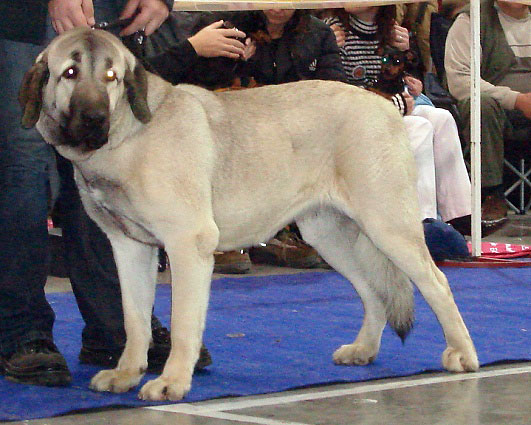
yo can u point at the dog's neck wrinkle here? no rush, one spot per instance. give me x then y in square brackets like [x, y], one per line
[158, 91]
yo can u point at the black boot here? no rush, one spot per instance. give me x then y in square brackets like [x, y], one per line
[36, 362]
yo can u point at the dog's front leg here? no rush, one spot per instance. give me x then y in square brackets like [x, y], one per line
[137, 270]
[191, 260]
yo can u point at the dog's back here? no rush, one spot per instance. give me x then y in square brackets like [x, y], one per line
[285, 143]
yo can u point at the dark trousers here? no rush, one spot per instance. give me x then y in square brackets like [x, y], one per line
[498, 126]
[28, 183]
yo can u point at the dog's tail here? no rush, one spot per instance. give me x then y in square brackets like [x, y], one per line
[390, 284]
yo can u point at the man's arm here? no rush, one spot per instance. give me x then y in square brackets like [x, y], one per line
[457, 66]
[68, 14]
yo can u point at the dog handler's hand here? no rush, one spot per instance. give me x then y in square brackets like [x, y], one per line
[414, 85]
[214, 40]
[150, 15]
[68, 14]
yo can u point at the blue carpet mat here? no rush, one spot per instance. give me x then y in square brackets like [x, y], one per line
[268, 334]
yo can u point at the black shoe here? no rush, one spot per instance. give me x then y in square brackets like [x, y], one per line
[157, 354]
[36, 362]
[463, 226]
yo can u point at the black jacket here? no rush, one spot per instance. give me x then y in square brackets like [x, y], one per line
[25, 20]
[312, 54]
[298, 55]
[169, 54]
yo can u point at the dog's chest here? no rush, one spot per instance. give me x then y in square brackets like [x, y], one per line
[112, 208]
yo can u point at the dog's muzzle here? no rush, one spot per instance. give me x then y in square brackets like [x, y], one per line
[86, 124]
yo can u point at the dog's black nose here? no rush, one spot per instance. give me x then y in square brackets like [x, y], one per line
[93, 118]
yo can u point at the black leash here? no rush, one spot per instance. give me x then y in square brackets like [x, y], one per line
[138, 36]
[118, 23]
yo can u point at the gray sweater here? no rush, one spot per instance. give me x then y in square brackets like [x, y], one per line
[517, 41]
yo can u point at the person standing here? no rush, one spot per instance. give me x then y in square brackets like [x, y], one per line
[30, 181]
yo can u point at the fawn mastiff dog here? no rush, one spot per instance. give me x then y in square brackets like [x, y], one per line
[194, 171]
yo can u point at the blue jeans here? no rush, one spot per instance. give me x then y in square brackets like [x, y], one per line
[29, 185]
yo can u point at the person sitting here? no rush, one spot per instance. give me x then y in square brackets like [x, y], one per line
[297, 46]
[443, 182]
[280, 46]
[505, 38]
[203, 51]
[417, 17]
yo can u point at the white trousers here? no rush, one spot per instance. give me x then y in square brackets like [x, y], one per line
[443, 182]
[454, 193]
[420, 133]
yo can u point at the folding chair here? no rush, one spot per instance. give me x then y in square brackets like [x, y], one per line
[518, 167]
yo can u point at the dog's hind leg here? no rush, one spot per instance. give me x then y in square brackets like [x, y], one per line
[403, 242]
[191, 254]
[137, 270]
[379, 194]
[339, 241]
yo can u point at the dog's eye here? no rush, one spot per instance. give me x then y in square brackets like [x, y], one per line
[110, 75]
[70, 73]
[397, 61]
[385, 60]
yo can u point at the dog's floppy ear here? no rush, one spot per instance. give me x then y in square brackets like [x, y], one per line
[136, 85]
[30, 94]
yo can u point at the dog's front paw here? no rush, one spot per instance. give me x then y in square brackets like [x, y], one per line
[115, 380]
[454, 360]
[355, 354]
[164, 388]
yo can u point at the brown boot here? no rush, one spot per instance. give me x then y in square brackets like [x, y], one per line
[493, 211]
[494, 208]
[286, 250]
[232, 262]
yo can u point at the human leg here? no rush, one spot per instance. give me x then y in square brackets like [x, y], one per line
[96, 286]
[92, 270]
[27, 352]
[451, 176]
[494, 127]
[420, 135]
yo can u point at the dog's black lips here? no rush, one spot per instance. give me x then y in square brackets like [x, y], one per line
[93, 138]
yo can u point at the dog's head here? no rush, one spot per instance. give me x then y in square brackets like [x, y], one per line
[395, 64]
[77, 83]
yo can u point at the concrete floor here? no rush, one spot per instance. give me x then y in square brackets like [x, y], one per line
[496, 395]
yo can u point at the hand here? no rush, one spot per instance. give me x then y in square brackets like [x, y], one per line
[214, 40]
[410, 102]
[67, 14]
[400, 38]
[150, 15]
[414, 85]
[249, 50]
[340, 35]
[523, 104]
